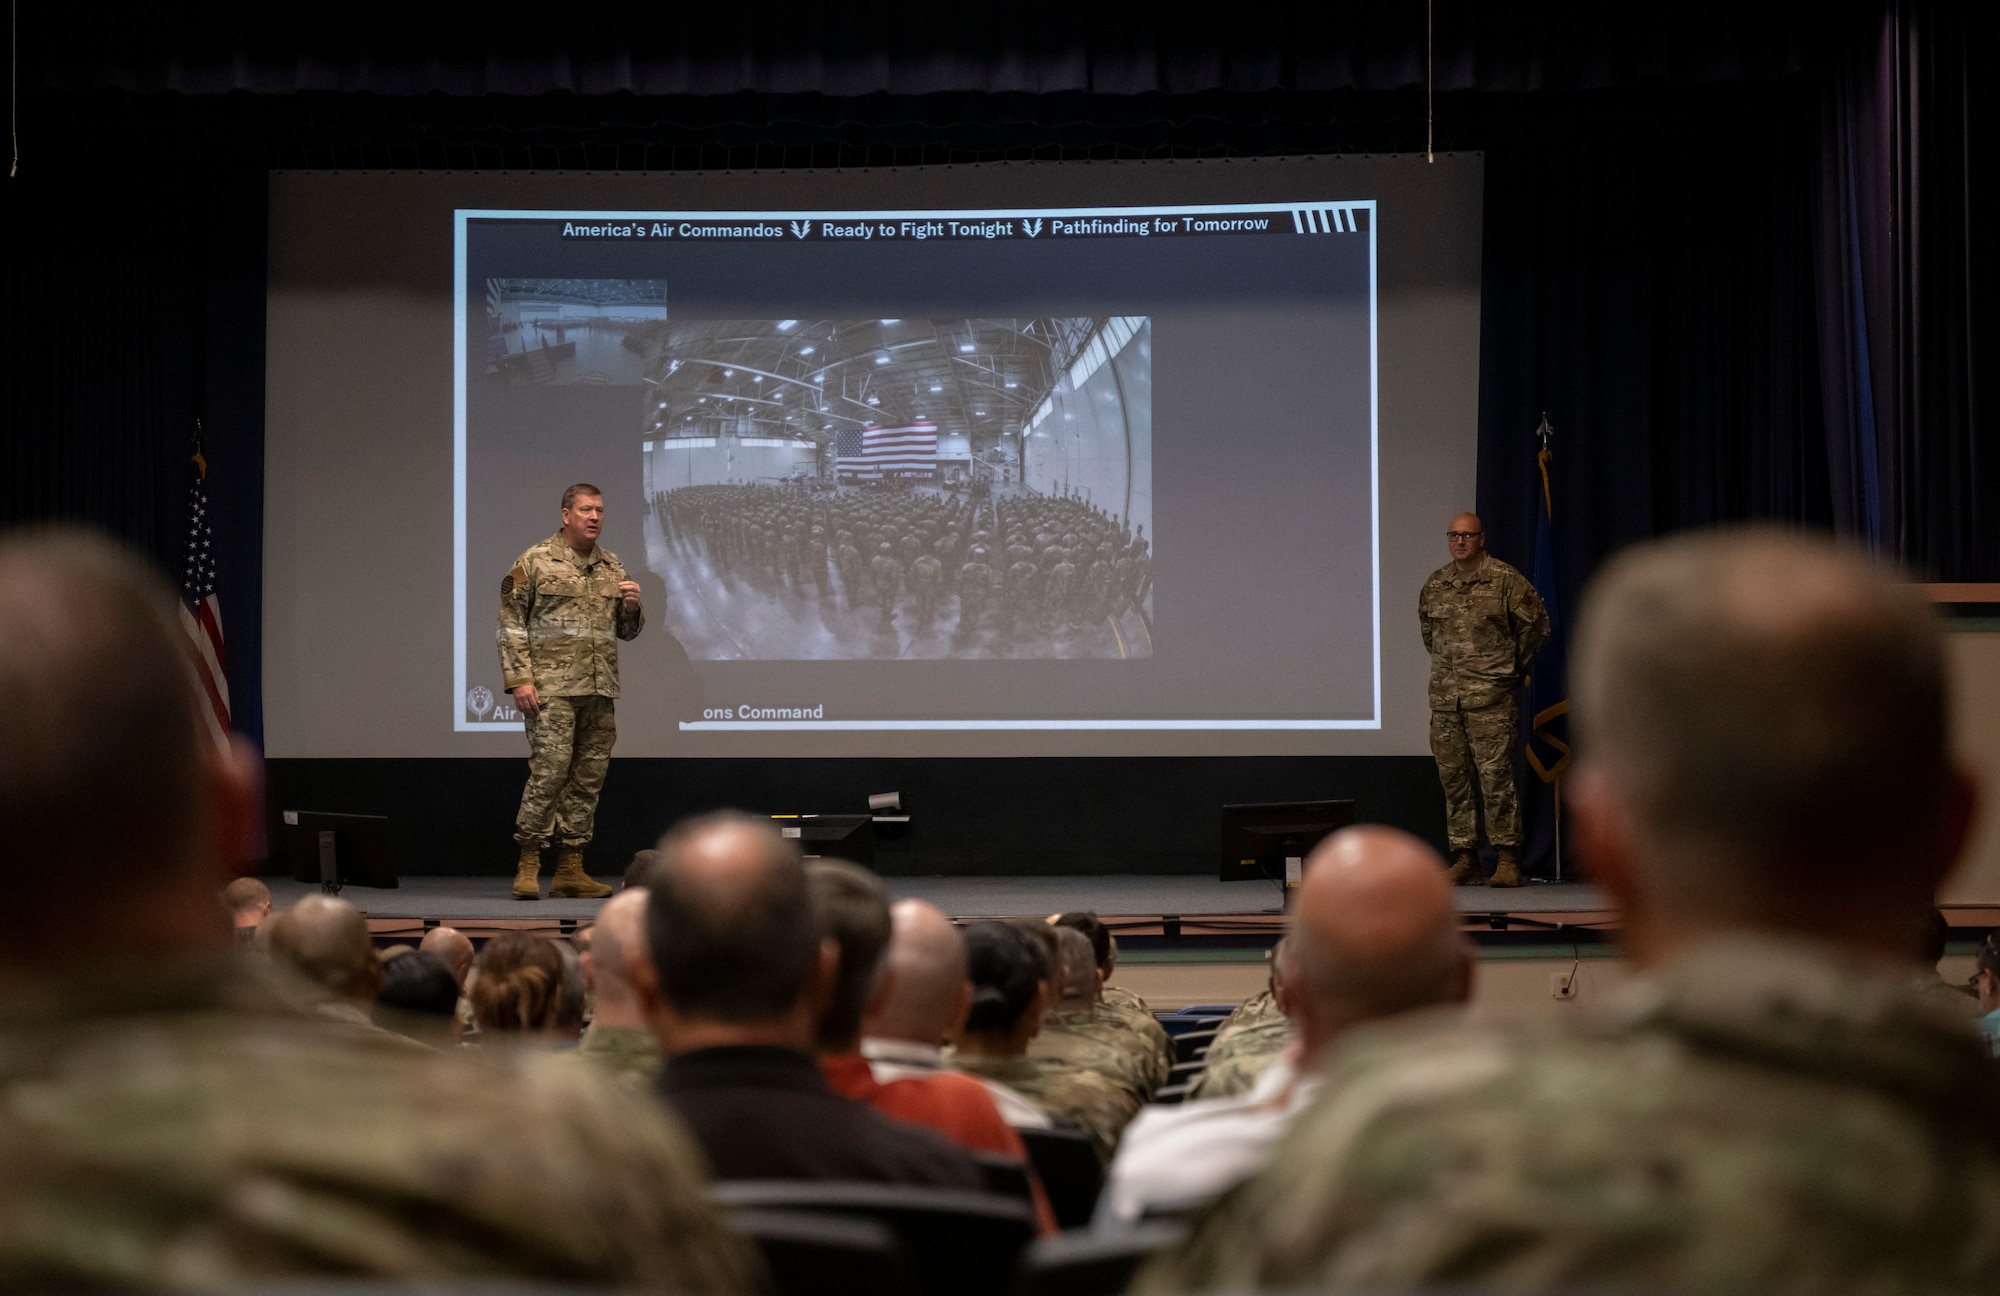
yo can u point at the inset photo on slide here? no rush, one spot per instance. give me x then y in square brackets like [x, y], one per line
[562, 331]
[884, 489]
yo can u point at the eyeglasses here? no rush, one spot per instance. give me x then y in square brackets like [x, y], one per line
[1463, 535]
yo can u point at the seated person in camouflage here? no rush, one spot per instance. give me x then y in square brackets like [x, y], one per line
[1986, 983]
[1374, 935]
[618, 1038]
[1768, 1105]
[1253, 1038]
[324, 941]
[1106, 947]
[1080, 1031]
[169, 1116]
[1012, 985]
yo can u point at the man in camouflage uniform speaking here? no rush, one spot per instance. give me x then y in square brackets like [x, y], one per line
[1482, 624]
[564, 606]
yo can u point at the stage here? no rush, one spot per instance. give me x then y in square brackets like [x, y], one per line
[1141, 907]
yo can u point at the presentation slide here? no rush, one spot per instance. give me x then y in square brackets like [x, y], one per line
[1032, 460]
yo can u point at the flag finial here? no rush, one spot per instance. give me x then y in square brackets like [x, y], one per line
[1546, 431]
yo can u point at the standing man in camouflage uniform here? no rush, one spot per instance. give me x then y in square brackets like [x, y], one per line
[564, 606]
[1482, 624]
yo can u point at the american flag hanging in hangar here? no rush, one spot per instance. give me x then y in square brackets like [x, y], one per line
[872, 454]
[201, 613]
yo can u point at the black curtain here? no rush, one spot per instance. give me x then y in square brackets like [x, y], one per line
[1697, 220]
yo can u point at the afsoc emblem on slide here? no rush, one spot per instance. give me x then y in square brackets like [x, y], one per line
[480, 699]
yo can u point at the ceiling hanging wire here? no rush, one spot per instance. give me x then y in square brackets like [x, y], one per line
[1430, 112]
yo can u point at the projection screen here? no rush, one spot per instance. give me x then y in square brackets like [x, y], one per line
[1024, 459]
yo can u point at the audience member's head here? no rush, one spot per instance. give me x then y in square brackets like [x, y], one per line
[618, 960]
[1930, 933]
[1374, 933]
[419, 998]
[450, 947]
[1010, 989]
[1734, 691]
[1082, 982]
[107, 742]
[927, 988]
[736, 949]
[1101, 939]
[853, 909]
[248, 901]
[1044, 937]
[640, 869]
[573, 994]
[325, 939]
[1986, 972]
[519, 989]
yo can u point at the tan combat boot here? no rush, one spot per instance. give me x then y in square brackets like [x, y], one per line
[570, 881]
[528, 872]
[1464, 870]
[1507, 870]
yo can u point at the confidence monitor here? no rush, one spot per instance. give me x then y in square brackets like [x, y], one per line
[337, 850]
[1261, 842]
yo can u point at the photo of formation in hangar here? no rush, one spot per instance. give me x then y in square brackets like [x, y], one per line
[902, 488]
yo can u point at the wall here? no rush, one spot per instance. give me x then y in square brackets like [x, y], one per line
[1975, 660]
[1098, 439]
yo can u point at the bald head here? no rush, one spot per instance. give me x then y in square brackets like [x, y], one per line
[617, 951]
[450, 947]
[1736, 694]
[326, 940]
[929, 987]
[731, 924]
[248, 901]
[1374, 933]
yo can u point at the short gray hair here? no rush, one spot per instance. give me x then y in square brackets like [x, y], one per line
[1767, 698]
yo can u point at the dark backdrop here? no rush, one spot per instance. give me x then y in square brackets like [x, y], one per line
[1734, 258]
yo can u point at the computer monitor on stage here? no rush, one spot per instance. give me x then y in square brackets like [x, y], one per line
[339, 850]
[832, 836]
[1258, 841]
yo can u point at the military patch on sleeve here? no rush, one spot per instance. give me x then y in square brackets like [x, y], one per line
[511, 581]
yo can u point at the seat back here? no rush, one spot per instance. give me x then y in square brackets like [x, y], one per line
[808, 1253]
[957, 1242]
[1003, 1176]
[1070, 1172]
[1090, 1264]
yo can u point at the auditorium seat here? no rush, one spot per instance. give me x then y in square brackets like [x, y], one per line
[1070, 1172]
[809, 1253]
[957, 1242]
[1174, 1093]
[1193, 1044]
[1003, 1175]
[1090, 1264]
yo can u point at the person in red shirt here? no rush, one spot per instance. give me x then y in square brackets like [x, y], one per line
[854, 914]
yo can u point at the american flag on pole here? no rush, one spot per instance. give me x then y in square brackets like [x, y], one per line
[873, 453]
[201, 614]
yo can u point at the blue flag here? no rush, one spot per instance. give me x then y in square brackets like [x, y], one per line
[1548, 679]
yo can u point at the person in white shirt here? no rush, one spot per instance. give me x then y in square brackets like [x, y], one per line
[1374, 935]
[928, 993]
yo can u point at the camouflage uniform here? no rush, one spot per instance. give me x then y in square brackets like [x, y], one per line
[1141, 1063]
[194, 1129]
[629, 1054]
[1120, 997]
[1241, 1054]
[1760, 1115]
[1096, 1106]
[560, 623]
[1481, 629]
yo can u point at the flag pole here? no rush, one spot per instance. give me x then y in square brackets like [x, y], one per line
[1546, 433]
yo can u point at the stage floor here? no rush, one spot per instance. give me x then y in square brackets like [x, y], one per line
[1145, 896]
